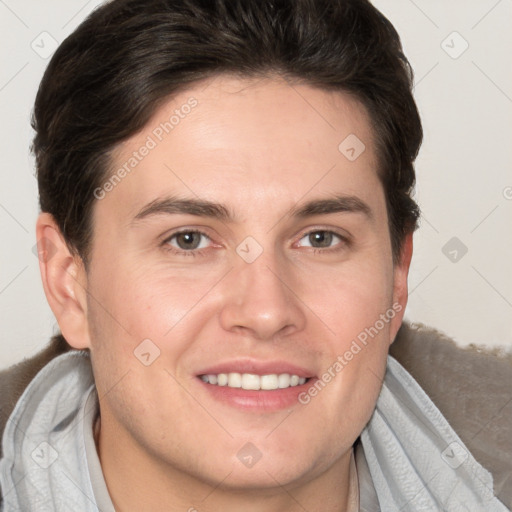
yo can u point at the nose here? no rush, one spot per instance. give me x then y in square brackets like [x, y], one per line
[262, 301]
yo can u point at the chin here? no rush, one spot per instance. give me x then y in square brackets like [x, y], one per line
[265, 475]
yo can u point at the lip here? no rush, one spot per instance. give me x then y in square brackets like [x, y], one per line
[257, 368]
[258, 401]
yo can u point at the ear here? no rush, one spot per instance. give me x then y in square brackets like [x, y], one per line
[64, 282]
[400, 288]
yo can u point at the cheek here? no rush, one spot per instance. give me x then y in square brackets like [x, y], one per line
[144, 315]
[355, 304]
[351, 298]
[141, 301]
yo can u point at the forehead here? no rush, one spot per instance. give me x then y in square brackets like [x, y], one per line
[247, 142]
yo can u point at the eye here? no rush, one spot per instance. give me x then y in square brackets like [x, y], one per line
[320, 239]
[188, 240]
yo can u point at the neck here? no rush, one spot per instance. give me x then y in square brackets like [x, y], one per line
[136, 481]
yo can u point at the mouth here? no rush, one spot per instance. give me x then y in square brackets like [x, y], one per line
[252, 386]
[254, 382]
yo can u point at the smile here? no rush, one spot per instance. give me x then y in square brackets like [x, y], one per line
[251, 381]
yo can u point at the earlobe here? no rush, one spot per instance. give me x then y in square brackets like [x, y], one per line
[400, 286]
[64, 282]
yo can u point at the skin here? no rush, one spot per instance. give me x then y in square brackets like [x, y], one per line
[261, 148]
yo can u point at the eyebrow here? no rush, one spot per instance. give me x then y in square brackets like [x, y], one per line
[204, 208]
[174, 205]
[336, 204]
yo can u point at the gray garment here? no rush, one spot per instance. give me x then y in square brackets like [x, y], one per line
[99, 486]
[50, 463]
[44, 466]
[417, 461]
[368, 501]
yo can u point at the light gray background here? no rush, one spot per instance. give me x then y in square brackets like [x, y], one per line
[463, 172]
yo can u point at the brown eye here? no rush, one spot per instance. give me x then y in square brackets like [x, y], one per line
[320, 239]
[188, 240]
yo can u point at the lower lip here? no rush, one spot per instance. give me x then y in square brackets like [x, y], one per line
[261, 400]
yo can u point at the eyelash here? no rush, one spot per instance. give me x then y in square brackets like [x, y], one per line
[194, 252]
[344, 241]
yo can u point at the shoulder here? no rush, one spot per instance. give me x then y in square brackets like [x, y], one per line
[472, 387]
[16, 378]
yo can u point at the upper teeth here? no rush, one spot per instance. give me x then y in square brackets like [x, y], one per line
[254, 382]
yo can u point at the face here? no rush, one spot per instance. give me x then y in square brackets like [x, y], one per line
[243, 240]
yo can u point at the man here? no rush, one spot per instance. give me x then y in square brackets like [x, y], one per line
[225, 239]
